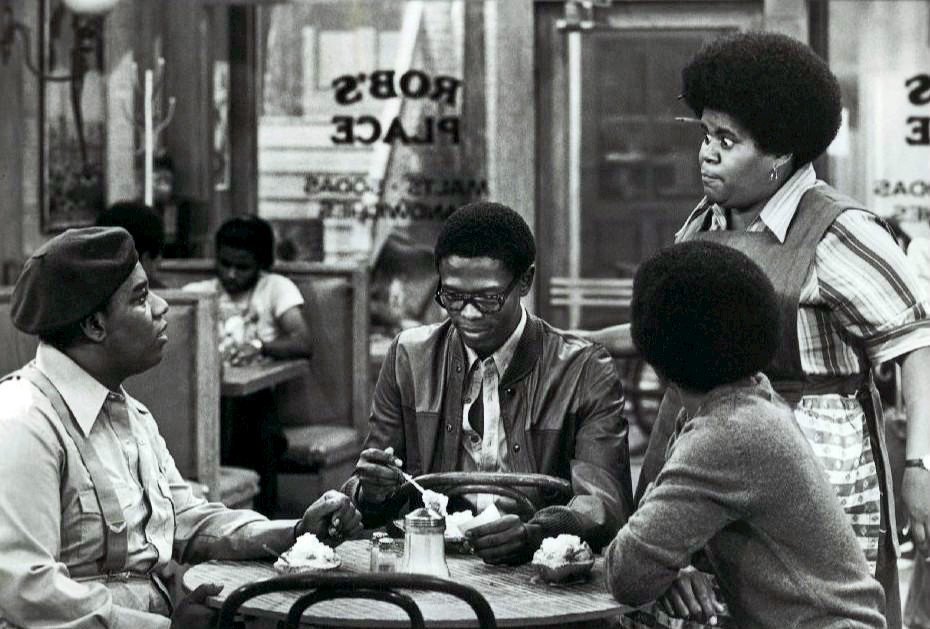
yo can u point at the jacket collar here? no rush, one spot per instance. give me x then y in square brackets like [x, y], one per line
[525, 356]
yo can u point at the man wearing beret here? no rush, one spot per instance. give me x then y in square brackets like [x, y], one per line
[92, 507]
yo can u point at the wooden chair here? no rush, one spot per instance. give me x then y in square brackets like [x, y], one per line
[325, 413]
[640, 386]
[380, 587]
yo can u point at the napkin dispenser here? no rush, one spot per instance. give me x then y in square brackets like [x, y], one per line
[424, 543]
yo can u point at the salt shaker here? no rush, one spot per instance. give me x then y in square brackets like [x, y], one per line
[375, 561]
[424, 543]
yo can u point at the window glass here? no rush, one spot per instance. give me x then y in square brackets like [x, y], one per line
[880, 51]
[361, 131]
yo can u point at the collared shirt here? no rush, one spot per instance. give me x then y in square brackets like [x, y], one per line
[490, 453]
[51, 529]
[861, 289]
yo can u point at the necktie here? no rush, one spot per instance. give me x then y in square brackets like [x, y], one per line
[476, 414]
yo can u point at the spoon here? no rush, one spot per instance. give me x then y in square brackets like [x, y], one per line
[279, 556]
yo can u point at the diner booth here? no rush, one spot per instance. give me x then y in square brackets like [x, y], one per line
[354, 127]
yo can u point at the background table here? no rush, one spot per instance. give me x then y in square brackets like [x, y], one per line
[515, 599]
[248, 379]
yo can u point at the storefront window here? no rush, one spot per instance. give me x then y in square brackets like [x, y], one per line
[880, 51]
[361, 132]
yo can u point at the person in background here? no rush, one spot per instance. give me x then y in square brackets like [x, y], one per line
[769, 106]
[261, 316]
[707, 319]
[260, 311]
[92, 506]
[146, 229]
[177, 213]
[495, 389]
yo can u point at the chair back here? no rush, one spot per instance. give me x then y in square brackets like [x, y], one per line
[336, 391]
[530, 492]
[183, 390]
[16, 348]
[374, 586]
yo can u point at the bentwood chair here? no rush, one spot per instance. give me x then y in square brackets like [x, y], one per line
[380, 587]
[530, 492]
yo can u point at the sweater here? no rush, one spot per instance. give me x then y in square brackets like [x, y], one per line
[742, 484]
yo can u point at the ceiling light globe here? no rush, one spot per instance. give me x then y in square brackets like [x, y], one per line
[90, 7]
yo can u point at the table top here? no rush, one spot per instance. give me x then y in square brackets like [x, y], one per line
[247, 379]
[517, 600]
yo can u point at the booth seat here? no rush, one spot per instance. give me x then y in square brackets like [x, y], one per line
[325, 414]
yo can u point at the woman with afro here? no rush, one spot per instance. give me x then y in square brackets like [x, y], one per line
[848, 297]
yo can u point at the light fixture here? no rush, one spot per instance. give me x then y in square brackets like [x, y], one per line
[87, 24]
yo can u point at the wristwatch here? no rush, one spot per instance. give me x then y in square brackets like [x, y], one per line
[923, 462]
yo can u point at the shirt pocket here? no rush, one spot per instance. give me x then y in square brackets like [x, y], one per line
[163, 506]
[85, 532]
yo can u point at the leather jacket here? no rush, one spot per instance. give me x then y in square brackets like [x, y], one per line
[561, 407]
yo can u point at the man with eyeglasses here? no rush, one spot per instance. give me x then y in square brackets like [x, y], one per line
[496, 389]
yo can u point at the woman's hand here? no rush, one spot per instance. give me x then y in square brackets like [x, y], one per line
[332, 518]
[915, 492]
[692, 596]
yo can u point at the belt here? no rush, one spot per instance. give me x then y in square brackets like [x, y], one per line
[794, 390]
[115, 577]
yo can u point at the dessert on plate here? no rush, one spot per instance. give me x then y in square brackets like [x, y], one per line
[307, 554]
[563, 558]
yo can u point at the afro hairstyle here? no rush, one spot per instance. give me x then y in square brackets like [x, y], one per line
[485, 229]
[250, 233]
[774, 86]
[704, 314]
[142, 223]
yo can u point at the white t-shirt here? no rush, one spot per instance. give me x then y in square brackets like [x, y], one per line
[261, 307]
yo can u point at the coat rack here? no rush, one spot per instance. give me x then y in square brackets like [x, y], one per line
[156, 115]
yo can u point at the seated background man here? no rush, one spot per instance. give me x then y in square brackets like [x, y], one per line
[146, 229]
[260, 314]
[740, 481]
[495, 389]
[89, 488]
[266, 304]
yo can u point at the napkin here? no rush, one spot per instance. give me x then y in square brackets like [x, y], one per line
[488, 515]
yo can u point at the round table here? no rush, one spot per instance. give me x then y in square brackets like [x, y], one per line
[517, 600]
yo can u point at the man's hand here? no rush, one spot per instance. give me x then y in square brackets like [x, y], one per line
[692, 596]
[507, 540]
[332, 518]
[915, 492]
[191, 613]
[377, 474]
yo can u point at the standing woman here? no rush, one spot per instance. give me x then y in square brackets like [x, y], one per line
[848, 298]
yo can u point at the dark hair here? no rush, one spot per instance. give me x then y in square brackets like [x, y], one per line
[485, 229]
[774, 86]
[142, 223]
[704, 314]
[250, 233]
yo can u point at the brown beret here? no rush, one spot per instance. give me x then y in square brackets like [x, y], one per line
[70, 277]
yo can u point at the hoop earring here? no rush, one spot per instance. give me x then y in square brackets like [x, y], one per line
[773, 174]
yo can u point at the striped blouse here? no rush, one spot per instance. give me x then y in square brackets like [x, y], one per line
[861, 293]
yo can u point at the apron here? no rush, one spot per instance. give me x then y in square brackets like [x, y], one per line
[846, 433]
[144, 592]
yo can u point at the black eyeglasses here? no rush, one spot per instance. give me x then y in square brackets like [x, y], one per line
[487, 303]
